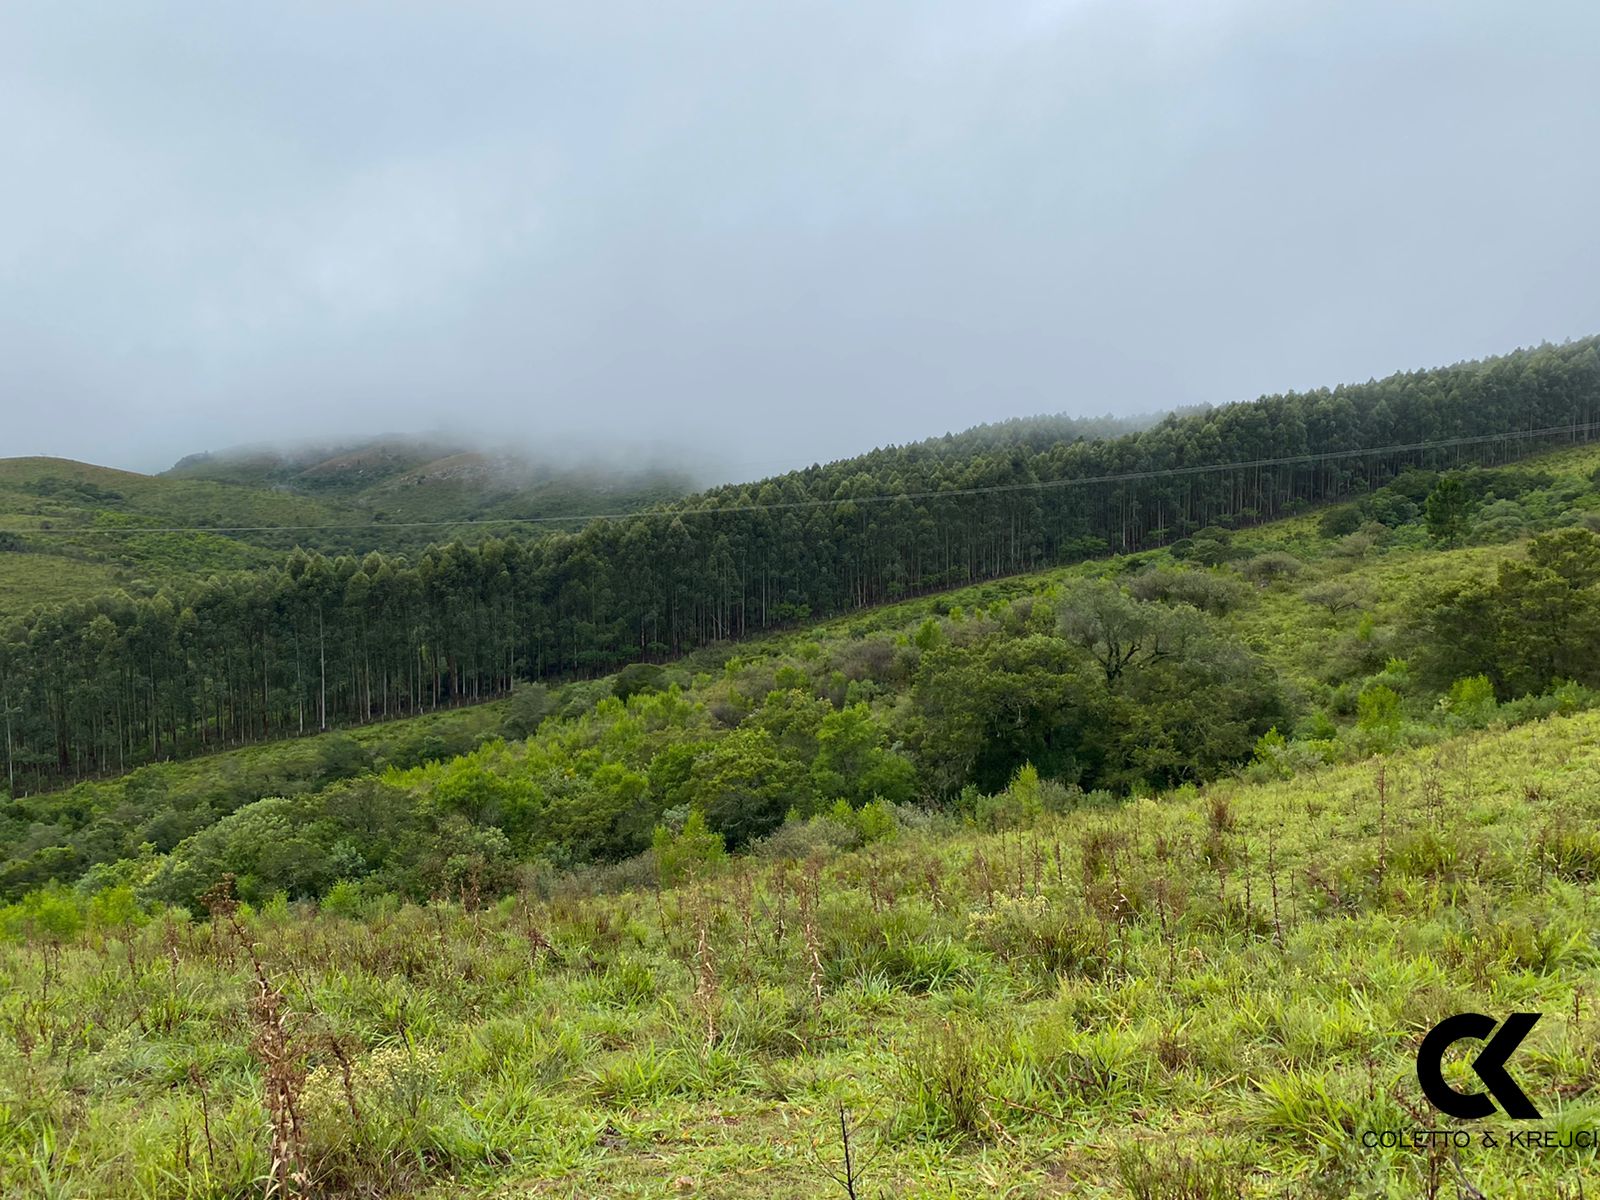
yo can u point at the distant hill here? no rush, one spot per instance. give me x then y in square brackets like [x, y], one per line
[341, 468]
[403, 478]
[70, 529]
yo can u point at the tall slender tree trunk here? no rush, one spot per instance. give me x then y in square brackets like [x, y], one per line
[11, 769]
[322, 651]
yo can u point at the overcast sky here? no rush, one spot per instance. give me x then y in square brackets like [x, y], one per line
[768, 231]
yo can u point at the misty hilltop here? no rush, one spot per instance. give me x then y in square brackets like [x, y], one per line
[410, 477]
[341, 466]
[70, 530]
[407, 476]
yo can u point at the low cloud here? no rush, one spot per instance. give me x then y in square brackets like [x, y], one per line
[759, 235]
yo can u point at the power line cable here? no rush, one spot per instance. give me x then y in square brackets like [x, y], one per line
[885, 498]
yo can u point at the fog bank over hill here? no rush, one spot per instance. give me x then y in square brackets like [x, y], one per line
[344, 466]
[353, 463]
[481, 460]
[774, 233]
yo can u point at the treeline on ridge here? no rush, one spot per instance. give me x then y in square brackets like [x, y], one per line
[106, 684]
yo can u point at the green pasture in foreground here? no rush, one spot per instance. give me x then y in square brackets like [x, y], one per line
[1205, 994]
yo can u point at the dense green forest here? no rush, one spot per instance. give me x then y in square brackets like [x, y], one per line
[119, 679]
[85, 532]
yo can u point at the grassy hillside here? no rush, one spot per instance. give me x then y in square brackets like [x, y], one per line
[30, 579]
[1206, 993]
[78, 529]
[339, 469]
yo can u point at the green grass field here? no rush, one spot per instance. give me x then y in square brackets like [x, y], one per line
[1212, 993]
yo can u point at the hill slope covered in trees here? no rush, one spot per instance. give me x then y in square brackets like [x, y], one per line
[121, 679]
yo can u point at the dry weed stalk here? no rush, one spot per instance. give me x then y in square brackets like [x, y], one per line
[283, 1074]
[1166, 917]
[169, 942]
[346, 1074]
[284, 1077]
[808, 929]
[199, 1082]
[1383, 824]
[855, 1167]
[1249, 895]
[705, 990]
[744, 899]
[780, 886]
[980, 867]
[1272, 876]
[537, 942]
